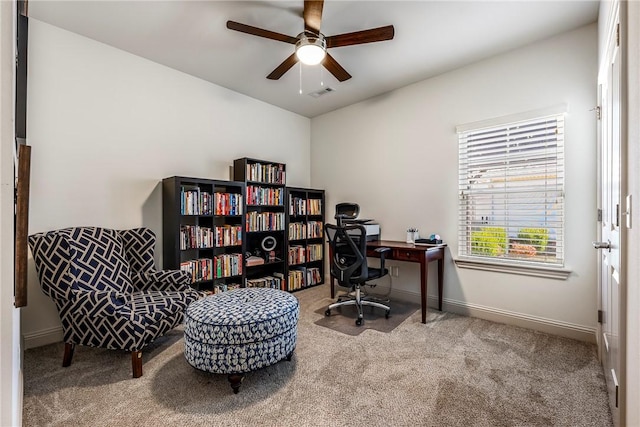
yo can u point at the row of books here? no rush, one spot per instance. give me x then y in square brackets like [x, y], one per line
[265, 172]
[296, 255]
[276, 282]
[264, 196]
[301, 254]
[228, 235]
[194, 201]
[199, 269]
[300, 206]
[314, 252]
[303, 277]
[265, 221]
[300, 230]
[227, 265]
[223, 287]
[197, 237]
[228, 204]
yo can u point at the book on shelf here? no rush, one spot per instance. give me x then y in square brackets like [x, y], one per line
[275, 282]
[195, 237]
[194, 201]
[228, 204]
[296, 255]
[297, 277]
[228, 235]
[254, 260]
[266, 172]
[314, 229]
[314, 207]
[227, 265]
[264, 196]
[265, 221]
[199, 269]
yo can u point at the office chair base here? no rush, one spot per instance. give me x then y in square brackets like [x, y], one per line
[359, 303]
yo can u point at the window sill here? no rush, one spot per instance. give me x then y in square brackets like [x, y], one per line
[513, 268]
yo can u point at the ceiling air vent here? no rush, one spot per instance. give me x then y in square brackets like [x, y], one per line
[323, 91]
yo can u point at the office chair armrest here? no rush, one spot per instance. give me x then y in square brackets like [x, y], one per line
[381, 252]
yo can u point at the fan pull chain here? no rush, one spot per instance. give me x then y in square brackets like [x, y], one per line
[300, 90]
[321, 76]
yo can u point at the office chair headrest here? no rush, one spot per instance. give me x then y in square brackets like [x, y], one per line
[347, 210]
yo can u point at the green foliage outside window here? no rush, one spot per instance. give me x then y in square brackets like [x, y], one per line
[490, 241]
[536, 237]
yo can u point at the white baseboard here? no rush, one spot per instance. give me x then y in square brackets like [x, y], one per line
[554, 327]
[550, 326]
[43, 337]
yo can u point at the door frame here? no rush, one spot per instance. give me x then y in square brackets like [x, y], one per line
[630, 136]
[11, 388]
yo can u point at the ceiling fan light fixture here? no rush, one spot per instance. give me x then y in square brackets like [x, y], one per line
[311, 49]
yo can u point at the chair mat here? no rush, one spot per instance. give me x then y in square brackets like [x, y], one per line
[343, 319]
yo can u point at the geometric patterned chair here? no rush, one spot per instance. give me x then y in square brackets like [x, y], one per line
[106, 289]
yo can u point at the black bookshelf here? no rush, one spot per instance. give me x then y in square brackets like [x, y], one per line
[305, 238]
[265, 221]
[204, 230]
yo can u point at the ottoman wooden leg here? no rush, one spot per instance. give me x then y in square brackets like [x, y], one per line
[290, 356]
[236, 380]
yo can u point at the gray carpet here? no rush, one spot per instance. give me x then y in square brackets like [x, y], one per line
[453, 371]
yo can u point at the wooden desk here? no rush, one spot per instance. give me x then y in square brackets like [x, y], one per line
[423, 254]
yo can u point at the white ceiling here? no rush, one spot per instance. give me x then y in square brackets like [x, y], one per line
[431, 37]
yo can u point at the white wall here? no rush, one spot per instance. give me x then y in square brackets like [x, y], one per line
[396, 155]
[106, 127]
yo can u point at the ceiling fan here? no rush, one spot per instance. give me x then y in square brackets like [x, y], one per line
[311, 45]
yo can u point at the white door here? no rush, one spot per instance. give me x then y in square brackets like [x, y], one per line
[609, 245]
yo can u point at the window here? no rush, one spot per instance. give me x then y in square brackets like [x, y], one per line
[511, 200]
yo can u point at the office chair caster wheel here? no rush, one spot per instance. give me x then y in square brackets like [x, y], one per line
[327, 313]
[358, 322]
[387, 313]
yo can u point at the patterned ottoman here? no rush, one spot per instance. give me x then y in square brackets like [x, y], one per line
[239, 331]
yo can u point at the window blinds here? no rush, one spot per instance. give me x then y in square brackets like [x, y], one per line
[511, 200]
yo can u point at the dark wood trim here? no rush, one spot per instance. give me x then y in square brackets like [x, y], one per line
[21, 229]
[23, 7]
[22, 226]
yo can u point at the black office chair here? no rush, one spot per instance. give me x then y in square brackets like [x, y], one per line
[348, 243]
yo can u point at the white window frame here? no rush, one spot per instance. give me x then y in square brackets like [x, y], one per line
[509, 263]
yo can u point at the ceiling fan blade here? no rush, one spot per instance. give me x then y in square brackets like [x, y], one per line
[335, 68]
[361, 37]
[255, 31]
[284, 67]
[312, 15]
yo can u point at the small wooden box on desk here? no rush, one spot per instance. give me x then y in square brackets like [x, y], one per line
[409, 252]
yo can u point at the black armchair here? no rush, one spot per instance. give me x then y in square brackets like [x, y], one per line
[348, 263]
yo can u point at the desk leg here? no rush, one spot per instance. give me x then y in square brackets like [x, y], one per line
[440, 281]
[424, 273]
[333, 292]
